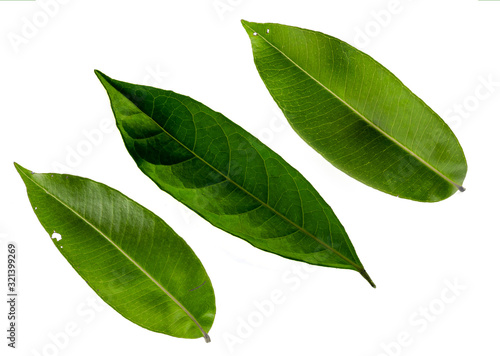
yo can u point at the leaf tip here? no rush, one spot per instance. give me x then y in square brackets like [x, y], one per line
[106, 81]
[248, 28]
[367, 277]
[20, 169]
[102, 77]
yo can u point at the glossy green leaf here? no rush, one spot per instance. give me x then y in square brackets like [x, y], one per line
[130, 257]
[227, 176]
[357, 114]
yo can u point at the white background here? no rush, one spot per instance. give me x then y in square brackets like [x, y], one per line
[51, 101]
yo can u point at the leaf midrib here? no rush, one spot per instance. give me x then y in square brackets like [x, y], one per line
[428, 165]
[205, 335]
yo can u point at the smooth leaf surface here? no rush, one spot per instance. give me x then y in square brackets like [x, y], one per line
[227, 176]
[130, 257]
[357, 114]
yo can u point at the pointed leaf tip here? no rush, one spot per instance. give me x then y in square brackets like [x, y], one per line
[20, 169]
[368, 278]
[102, 77]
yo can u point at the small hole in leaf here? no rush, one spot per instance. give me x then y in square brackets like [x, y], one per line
[36, 207]
[267, 31]
[255, 33]
[56, 236]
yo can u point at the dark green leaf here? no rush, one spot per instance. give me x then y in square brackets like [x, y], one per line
[227, 176]
[133, 260]
[357, 114]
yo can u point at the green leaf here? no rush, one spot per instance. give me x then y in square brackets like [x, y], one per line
[130, 257]
[357, 114]
[227, 176]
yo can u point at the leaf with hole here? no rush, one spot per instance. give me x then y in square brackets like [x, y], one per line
[357, 114]
[130, 257]
[227, 176]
